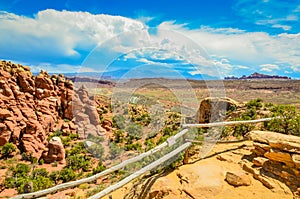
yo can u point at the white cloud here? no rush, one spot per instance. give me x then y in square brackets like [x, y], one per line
[269, 67]
[58, 34]
[284, 27]
[242, 67]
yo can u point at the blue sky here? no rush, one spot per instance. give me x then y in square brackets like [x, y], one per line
[210, 38]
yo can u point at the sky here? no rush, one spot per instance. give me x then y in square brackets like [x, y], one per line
[190, 39]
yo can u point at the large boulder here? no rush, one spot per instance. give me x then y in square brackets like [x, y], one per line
[213, 109]
[55, 151]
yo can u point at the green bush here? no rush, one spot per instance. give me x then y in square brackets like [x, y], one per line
[96, 150]
[21, 170]
[255, 103]
[168, 131]
[135, 131]
[78, 161]
[288, 121]
[136, 147]
[149, 144]
[99, 168]
[7, 149]
[114, 150]
[54, 176]
[95, 139]
[119, 136]
[76, 148]
[118, 121]
[67, 174]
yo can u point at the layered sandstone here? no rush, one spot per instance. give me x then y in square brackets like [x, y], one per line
[278, 156]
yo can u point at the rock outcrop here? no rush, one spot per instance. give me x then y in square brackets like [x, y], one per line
[55, 151]
[213, 109]
[86, 116]
[34, 106]
[276, 155]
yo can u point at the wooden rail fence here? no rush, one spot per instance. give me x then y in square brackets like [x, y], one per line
[170, 141]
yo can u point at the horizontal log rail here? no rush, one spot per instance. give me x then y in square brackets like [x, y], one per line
[230, 123]
[141, 171]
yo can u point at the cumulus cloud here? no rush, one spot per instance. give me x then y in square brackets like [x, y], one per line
[52, 35]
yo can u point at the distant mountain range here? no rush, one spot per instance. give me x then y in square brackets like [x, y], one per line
[258, 76]
[127, 74]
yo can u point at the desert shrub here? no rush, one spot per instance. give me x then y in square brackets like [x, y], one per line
[255, 103]
[227, 130]
[66, 175]
[101, 118]
[136, 147]
[118, 121]
[135, 131]
[7, 149]
[41, 161]
[96, 150]
[152, 135]
[20, 170]
[100, 167]
[78, 161]
[103, 110]
[54, 164]
[54, 176]
[249, 114]
[119, 136]
[39, 172]
[95, 139]
[64, 139]
[143, 119]
[287, 121]
[149, 144]
[41, 182]
[29, 157]
[114, 150]
[168, 131]
[57, 133]
[162, 139]
[77, 148]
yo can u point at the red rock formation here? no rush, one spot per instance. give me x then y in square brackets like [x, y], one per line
[29, 111]
[33, 106]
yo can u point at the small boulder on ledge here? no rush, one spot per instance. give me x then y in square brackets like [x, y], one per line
[238, 178]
